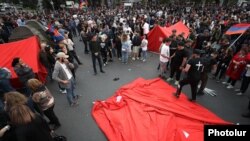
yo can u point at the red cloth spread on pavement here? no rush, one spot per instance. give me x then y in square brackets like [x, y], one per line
[146, 110]
[27, 49]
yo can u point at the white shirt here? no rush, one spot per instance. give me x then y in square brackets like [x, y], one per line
[145, 28]
[164, 51]
[248, 70]
[144, 45]
[67, 71]
[70, 44]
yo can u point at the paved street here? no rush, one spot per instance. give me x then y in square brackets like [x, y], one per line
[77, 122]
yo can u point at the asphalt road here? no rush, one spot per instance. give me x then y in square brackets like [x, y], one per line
[77, 122]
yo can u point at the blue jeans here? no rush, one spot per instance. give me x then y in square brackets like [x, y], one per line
[144, 55]
[124, 57]
[70, 91]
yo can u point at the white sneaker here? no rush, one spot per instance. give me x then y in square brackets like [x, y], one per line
[230, 87]
[169, 79]
[225, 83]
[176, 83]
[144, 60]
[104, 64]
[63, 91]
[138, 58]
[240, 93]
[133, 59]
[237, 90]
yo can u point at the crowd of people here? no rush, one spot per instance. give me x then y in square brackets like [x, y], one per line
[120, 33]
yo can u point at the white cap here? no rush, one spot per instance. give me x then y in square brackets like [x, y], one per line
[61, 55]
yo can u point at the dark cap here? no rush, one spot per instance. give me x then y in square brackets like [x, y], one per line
[166, 40]
[92, 35]
[15, 61]
[181, 43]
[197, 51]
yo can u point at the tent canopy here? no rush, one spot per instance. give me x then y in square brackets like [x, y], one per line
[20, 33]
[155, 37]
[180, 28]
[31, 28]
[158, 33]
[27, 49]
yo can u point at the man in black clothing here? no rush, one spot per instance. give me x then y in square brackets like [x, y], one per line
[210, 64]
[95, 49]
[178, 61]
[202, 38]
[193, 69]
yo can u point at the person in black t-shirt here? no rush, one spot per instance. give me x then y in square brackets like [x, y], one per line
[178, 61]
[95, 49]
[193, 68]
[210, 63]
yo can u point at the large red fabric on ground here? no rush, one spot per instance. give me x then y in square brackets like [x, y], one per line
[27, 49]
[146, 110]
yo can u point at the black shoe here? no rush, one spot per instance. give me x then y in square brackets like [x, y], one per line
[80, 63]
[200, 93]
[56, 126]
[95, 73]
[246, 115]
[102, 71]
[192, 100]
[176, 95]
[117, 78]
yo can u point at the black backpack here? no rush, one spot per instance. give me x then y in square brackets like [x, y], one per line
[136, 41]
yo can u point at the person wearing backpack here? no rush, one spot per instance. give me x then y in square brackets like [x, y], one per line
[136, 46]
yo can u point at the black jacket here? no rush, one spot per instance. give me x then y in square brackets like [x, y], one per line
[37, 130]
[94, 47]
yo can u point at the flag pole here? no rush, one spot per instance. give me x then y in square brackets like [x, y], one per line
[236, 40]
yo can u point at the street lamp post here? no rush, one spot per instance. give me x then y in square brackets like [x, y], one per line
[52, 4]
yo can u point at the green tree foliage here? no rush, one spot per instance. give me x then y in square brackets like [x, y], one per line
[30, 4]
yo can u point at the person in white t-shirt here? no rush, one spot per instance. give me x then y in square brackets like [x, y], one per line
[145, 27]
[164, 57]
[144, 47]
[70, 46]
